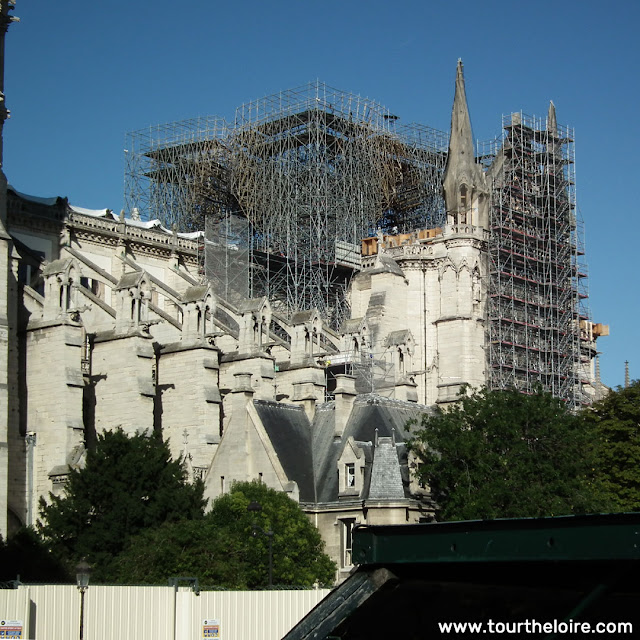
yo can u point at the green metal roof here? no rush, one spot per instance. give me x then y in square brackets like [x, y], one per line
[568, 538]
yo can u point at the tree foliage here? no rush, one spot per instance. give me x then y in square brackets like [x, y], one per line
[497, 454]
[221, 549]
[127, 485]
[25, 556]
[616, 420]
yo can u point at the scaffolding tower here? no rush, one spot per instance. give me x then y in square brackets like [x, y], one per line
[287, 192]
[537, 285]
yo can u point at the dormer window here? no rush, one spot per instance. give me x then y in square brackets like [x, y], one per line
[350, 470]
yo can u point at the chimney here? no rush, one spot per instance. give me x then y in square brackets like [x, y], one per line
[345, 394]
[307, 394]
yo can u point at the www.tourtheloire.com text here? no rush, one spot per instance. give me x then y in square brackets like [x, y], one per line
[533, 626]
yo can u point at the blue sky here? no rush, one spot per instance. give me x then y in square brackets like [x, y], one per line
[79, 75]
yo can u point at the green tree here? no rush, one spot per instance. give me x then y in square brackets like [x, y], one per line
[25, 555]
[497, 454]
[127, 485]
[220, 550]
[616, 420]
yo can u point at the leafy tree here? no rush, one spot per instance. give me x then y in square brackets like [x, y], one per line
[616, 420]
[195, 548]
[497, 454]
[25, 555]
[127, 485]
[221, 550]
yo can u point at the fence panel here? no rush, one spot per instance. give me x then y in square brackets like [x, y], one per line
[52, 612]
[114, 613]
[244, 615]
[14, 605]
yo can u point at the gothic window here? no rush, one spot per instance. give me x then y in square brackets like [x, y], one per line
[464, 205]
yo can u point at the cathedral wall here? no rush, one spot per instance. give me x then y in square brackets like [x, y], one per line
[54, 386]
[262, 370]
[125, 388]
[190, 403]
[444, 311]
[5, 302]
[286, 382]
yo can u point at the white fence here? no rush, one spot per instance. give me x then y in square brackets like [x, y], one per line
[52, 612]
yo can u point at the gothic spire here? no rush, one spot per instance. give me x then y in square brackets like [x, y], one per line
[465, 190]
[461, 142]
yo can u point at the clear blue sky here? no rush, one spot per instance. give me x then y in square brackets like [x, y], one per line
[80, 74]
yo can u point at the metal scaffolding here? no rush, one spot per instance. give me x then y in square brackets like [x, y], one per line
[174, 171]
[536, 286]
[289, 190]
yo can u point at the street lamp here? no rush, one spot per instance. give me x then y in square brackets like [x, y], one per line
[256, 507]
[83, 573]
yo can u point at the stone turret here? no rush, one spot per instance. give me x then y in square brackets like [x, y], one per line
[199, 304]
[465, 190]
[133, 293]
[60, 277]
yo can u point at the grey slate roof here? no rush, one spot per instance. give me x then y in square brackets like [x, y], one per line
[309, 453]
[289, 431]
[370, 412]
[386, 479]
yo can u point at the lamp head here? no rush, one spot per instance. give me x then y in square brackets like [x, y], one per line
[83, 573]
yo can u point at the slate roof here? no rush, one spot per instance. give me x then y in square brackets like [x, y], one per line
[309, 453]
[386, 479]
[289, 431]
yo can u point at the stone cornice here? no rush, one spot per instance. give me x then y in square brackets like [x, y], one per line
[143, 240]
[53, 219]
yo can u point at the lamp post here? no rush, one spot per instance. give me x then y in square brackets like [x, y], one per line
[83, 573]
[256, 507]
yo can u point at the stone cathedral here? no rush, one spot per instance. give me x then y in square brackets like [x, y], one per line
[106, 322]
